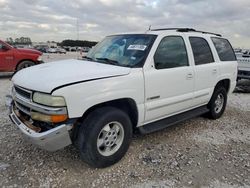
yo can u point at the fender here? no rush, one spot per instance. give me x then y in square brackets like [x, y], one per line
[89, 93]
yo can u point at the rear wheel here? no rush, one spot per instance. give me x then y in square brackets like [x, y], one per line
[104, 137]
[25, 64]
[217, 103]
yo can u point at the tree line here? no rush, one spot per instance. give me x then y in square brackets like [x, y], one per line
[80, 43]
[68, 42]
[21, 40]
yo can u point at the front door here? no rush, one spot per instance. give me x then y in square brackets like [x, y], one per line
[169, 83]
[6, 58]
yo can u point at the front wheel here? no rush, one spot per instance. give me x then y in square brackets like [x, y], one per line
[25, 64]
[217, 103]
[104, 137]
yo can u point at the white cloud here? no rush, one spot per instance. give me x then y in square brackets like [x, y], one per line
[44, 26]
[3, 2]
[91, 25]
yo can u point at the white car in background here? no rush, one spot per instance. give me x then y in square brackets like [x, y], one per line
[243, 65]
[51, 50]
[60, 51]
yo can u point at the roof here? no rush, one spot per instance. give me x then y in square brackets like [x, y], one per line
[183, 30]
[173, 30]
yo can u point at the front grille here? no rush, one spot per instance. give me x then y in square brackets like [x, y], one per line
[23, 92]
[22, 108]
[240, 72]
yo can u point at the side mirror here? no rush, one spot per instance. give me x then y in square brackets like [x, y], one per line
[5, 48]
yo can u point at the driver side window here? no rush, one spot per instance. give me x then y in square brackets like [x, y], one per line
[171, 53]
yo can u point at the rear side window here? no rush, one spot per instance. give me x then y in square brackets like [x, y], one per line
[201, 50]
[171, 53]
[224, 49]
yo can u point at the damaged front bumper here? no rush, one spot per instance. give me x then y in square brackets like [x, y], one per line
[50, 140]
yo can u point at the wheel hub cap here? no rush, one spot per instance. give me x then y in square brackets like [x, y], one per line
[219, 102]
[110, 138]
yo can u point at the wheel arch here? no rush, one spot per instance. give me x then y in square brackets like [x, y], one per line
[222, 83]
[226, 83]
[23, 61]
[128, 105]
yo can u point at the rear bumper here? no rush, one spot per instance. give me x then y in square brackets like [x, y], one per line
[243, 74]
[51, 140]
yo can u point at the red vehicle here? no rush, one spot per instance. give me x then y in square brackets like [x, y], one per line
[14, 59]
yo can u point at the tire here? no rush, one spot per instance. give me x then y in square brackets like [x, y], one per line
[111, 129]
[25, 64]
[217, 104]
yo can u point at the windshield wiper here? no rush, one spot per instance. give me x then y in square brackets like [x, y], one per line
[109, 61]
[88, 58]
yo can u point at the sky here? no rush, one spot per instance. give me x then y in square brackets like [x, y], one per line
[56, 20]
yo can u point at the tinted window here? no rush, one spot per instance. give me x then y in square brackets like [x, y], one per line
[201, 50]
[170, 53]
[224, 49]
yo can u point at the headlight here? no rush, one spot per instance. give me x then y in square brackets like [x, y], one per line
[40, 58]
[48, 118]
[48, 100]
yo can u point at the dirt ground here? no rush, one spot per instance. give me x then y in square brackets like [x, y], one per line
[196, 153]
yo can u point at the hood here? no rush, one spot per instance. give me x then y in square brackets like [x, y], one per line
[48, 76]
[29, 51]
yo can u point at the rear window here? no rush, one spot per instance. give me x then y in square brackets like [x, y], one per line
[201, 50]
[224, 49]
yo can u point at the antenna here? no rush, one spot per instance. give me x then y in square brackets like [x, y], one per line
[149, 28]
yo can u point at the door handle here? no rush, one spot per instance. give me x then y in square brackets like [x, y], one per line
[189, 76]
[214, 71]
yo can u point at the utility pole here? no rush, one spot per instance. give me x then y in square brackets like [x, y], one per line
[77, 29]
[77, 36]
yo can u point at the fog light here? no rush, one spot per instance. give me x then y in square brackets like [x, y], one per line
[48, 118]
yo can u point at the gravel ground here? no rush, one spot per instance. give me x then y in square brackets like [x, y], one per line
[196, 153]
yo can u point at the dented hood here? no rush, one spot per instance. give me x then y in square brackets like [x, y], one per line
[48, 76]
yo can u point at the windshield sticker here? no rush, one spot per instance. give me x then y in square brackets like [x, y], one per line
[137, 47]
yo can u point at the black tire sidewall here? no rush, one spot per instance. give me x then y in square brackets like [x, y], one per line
[213, 114]
[21, 65]
[89, 133]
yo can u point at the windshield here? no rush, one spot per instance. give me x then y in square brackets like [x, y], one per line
[123, 50]
[5, 44]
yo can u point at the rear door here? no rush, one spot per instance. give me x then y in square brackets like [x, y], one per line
[227, 60]
[169, 79]
[206, 70]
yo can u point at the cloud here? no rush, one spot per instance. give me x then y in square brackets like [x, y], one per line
[57, 20]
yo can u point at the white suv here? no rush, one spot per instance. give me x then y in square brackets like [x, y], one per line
[138, 81]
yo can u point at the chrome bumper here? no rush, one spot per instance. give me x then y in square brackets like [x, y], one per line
[243, 74]
[51, 140]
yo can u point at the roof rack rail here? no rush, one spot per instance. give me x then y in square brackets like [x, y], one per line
[162, 29]
[186, 30]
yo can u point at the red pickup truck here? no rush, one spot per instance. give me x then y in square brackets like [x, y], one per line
[14, 59]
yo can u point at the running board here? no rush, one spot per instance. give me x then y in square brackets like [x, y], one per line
[161, 124]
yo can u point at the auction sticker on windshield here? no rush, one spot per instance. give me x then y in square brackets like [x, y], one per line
[137, 47]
